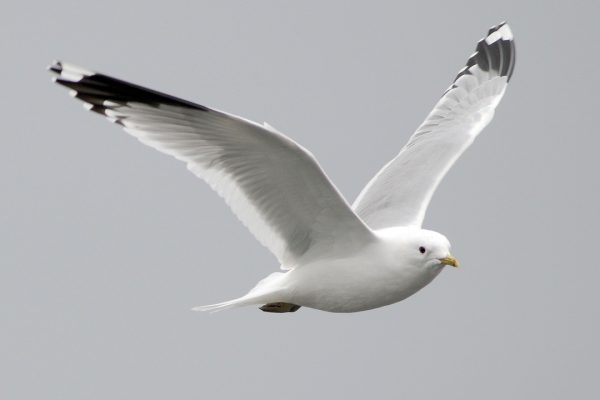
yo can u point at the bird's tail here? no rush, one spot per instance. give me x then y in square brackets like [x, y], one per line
[220, 306]
[246, 300]
[264, 292]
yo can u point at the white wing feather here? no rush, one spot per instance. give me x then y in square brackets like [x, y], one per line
[400, 192]
[274, 186]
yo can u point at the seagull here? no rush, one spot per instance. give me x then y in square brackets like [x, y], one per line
[334, 256]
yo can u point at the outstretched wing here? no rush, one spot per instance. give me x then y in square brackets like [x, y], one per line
[400, 192]
[274, 186]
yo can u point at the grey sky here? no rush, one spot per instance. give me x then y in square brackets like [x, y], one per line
[106, 244]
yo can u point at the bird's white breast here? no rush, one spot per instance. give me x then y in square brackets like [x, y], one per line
[372, 277]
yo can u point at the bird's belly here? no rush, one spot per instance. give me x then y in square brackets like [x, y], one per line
[349, 289]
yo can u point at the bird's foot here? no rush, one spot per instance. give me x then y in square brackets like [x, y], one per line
[280, 307]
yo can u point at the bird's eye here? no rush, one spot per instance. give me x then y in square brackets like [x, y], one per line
[422, 250]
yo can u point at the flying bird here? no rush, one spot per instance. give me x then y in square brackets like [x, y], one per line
[335, 256]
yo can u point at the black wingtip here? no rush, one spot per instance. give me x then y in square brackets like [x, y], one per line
[55, 67]
[496, 27]
[100, 92]
[495, 52]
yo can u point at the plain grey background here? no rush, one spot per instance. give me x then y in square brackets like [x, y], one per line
[106, 244]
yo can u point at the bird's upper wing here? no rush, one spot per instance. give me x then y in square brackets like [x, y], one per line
[400, 192]
[274, 186]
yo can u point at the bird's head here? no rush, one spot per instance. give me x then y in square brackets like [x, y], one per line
[423, 247]
[432, 249]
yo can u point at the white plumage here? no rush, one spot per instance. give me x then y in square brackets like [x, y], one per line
[340, 258]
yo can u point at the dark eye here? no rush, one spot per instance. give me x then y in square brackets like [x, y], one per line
[422, 250]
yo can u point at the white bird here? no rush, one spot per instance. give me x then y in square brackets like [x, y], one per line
[337, 257]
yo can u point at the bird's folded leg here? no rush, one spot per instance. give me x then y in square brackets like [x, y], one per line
[280, 307]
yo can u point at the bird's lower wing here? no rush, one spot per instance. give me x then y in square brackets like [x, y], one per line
[274, 186]
[400, 192]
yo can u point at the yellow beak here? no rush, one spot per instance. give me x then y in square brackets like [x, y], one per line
[449, 261]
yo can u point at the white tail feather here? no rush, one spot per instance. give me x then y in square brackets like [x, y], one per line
[217, 307]
[265, 291]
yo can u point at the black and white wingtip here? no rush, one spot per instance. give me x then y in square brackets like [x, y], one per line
[494, 54]
[101, 92]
